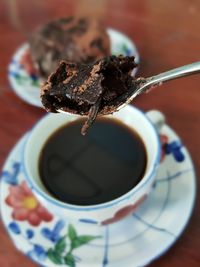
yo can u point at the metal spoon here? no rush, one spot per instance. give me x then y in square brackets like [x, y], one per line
[157, 80]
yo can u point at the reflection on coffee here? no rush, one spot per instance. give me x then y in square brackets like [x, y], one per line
[99, 167]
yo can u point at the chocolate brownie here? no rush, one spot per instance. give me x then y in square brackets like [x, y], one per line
[89, 89]
[80, 40]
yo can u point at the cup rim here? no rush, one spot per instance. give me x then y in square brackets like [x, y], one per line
[110, 203]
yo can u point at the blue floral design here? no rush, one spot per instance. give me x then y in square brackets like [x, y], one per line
[85, 220]
[174, 148]
[34, 77]
[14, 61]
[14, 74]
[24, 78]
[11, 177]
[53, 235]
[29, 233]
[127, 50]
[37, 253]
[61, 251]
[14, 228]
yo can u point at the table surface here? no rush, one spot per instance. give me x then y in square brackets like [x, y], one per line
[167, 36]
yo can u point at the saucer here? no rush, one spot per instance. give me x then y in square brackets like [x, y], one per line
[134, 241]
[26, 86]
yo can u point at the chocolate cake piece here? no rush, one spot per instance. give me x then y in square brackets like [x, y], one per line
[80, 40]
[89, 89]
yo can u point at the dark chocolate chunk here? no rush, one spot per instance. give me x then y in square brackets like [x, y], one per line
[89, 89]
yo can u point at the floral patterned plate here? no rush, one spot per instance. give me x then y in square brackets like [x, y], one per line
[26, 83]
[134, 241]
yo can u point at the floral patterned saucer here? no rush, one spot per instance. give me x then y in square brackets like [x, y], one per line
[134, 241]
[25, 82]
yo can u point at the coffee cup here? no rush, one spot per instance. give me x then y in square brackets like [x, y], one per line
[147, 125]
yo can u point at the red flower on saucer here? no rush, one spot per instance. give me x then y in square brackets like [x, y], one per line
[124, 211]
[27, 62]
[25, 206]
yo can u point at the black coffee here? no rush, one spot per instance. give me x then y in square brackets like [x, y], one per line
[101, 166]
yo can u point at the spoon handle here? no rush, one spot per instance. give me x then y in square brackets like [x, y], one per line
[170, 75]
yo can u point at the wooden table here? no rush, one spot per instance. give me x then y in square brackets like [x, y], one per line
[166, 34]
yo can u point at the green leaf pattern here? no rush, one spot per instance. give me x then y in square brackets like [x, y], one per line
[61, 245]
[81, 240]
[62, 252]
[25, 79]
[69, 260]
[54, 256]
[72, 232]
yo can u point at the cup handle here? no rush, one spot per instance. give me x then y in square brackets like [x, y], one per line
[157, 118]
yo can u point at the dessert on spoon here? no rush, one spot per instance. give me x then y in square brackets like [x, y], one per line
[100, 88]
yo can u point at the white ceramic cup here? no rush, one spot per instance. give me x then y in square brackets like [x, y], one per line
[111, 211]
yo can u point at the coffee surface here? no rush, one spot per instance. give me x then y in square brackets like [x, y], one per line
[99, 167]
